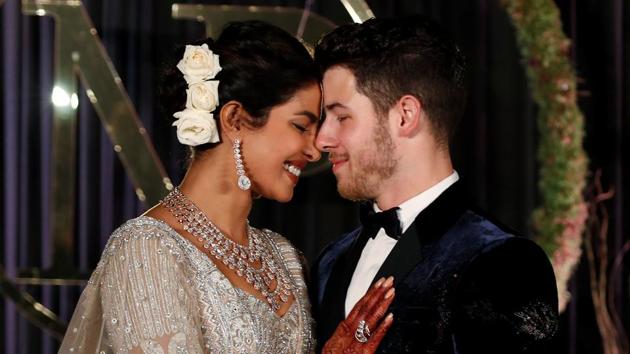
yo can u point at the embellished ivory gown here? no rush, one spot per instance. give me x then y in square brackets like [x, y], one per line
[153, 291]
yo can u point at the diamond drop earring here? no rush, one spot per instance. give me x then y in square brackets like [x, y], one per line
[243, 181]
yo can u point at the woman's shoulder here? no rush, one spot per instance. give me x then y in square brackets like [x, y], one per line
[144, 236]
[142, 229]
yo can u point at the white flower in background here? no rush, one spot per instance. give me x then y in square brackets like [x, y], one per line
[196, 127]
[203, 95]
[199, 64]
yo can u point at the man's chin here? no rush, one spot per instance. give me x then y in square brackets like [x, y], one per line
[350, 193]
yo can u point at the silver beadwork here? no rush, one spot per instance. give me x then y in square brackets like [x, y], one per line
[243, 181]
[236, 257]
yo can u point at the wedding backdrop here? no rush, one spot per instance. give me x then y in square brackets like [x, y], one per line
[76, 166]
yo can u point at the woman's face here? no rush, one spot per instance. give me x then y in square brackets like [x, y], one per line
[275, 154]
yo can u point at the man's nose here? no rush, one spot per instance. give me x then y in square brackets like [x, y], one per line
[326, 139]
[311, 152]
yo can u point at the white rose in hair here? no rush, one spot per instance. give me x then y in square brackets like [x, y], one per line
[198, 64]
[196, 127]
[203, 95]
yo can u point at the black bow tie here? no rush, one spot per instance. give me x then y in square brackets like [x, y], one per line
[373, 221]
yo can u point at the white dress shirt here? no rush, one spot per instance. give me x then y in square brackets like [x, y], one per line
[377, 249]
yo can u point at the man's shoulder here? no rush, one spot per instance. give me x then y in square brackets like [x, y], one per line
[490, 237]
[473, 234]
[476, 224]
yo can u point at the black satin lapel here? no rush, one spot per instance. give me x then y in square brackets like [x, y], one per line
[343, 270]
[428, 226]
[334, 299]
[403, 257]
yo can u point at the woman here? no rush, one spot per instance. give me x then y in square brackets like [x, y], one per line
[191, 275]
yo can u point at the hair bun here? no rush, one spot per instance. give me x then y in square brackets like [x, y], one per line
[262, 66]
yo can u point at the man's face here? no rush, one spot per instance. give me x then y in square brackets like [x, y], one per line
[358, 140]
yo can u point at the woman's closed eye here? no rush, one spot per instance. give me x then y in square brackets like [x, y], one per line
[300, 127]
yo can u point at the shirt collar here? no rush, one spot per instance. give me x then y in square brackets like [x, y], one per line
[410, 208]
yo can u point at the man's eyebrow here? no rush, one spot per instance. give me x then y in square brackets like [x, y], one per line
[334, 105]
[312, 117]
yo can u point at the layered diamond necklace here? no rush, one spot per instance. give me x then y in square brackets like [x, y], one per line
[236, 257]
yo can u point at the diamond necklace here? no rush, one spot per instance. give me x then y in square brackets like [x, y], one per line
[236, 257]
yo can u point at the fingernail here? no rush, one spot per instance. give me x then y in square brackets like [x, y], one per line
[389, 317]
[389, 281]
[379, 282]
[389, 293]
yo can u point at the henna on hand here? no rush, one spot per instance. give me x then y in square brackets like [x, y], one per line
[371, 308]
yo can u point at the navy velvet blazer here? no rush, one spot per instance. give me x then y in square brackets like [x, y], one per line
[463, 285]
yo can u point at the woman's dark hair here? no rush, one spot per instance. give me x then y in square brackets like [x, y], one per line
[262, 67]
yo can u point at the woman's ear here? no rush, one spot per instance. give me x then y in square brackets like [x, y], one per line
[232, 119]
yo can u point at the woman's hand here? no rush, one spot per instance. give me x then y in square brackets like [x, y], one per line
[363, 330]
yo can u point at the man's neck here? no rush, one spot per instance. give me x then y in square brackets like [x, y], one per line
[409, 182]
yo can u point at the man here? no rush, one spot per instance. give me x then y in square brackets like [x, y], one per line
[393, 94]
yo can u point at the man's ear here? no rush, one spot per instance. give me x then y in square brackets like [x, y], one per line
[232, 118]
[411, 116]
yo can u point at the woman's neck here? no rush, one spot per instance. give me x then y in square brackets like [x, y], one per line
[210, 183]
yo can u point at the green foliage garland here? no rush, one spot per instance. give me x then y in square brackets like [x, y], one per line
[559, 221]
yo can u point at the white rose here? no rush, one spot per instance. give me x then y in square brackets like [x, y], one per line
[203, 95]
[195, 127]
[198, 64]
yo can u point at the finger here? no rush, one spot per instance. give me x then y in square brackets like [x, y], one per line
[377, 310]
[375, 293]
[379, 334]
[342, 329]
[373, 298]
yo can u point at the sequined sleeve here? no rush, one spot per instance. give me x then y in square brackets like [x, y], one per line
[138, 299]
[508, 301]
[146, 300]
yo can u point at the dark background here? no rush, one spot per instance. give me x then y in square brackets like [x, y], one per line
[494, 152]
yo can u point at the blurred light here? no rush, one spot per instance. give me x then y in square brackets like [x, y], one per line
[140, 194]
[74, 101]
[167, 183]
[60, 97]
[40, 12]
[91, 95]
